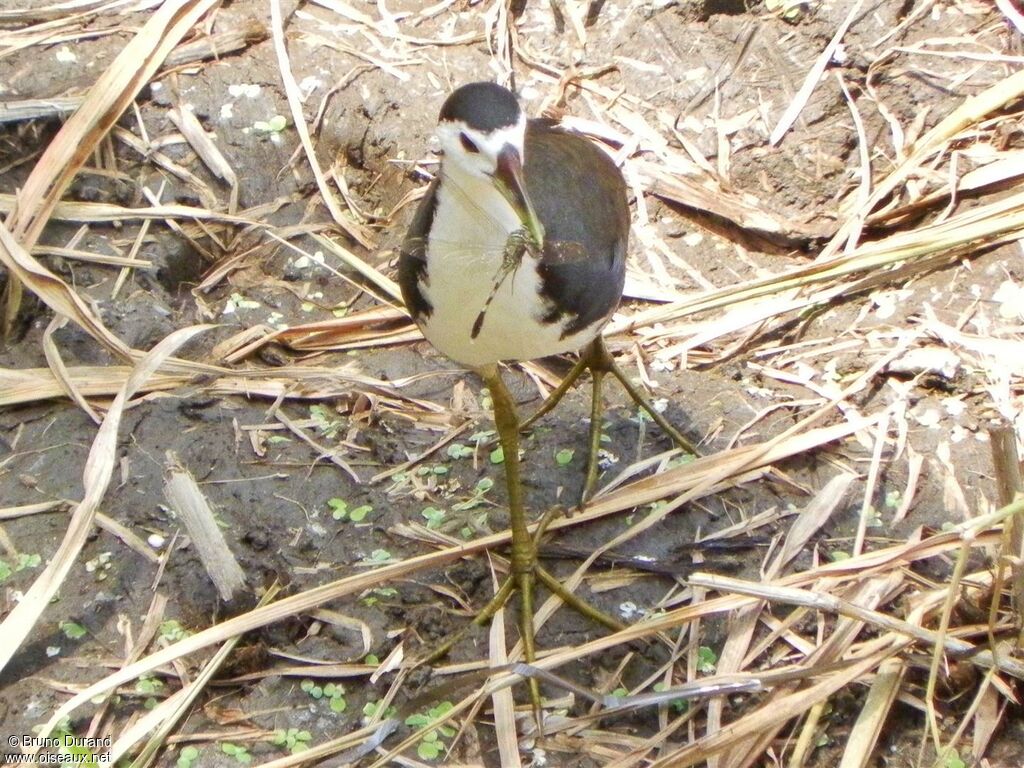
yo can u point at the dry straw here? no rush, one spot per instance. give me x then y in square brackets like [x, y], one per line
[876, 623]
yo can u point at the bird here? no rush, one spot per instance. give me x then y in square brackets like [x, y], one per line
[517, 252]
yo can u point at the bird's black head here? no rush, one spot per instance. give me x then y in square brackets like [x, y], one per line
[483, 107]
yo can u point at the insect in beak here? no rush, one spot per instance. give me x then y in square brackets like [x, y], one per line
[508, 177]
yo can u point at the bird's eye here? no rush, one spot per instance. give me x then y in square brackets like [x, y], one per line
[468, 145]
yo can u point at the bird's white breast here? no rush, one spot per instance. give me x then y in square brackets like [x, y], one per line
[464, 253]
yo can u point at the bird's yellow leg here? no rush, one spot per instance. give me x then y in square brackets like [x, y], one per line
[600, 362]
[559, 392]
[578, 604]
[524, 552]
[545, 577]
[494, 605]
[596, 408]
[599, 358]
[525, 571]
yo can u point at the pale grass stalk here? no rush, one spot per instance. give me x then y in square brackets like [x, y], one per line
[939, 649]
[863, 738]
[291, 88]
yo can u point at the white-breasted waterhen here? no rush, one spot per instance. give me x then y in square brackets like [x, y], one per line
[518, 251]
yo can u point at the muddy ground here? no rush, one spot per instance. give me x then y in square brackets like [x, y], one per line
[277, 498]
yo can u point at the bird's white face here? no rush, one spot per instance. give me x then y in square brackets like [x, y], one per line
[476, 153]
[494, 157]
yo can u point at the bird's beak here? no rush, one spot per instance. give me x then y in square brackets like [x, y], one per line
[509, 178]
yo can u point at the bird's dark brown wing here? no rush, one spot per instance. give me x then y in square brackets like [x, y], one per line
[580, 197]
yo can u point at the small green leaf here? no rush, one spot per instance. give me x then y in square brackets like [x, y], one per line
[148, 684]
[307, 685]
[325, 422]
[789, 10]
[378, 556]
[187, 756]
[239, 301]
[338, 704]
[417, 721]
[459, 451]
[359, 514]
[241, 754]
[564, 456]
[679, 705]
[27, 561]
[339, 508]
[498, 455]
[434, 517]
[72, 630]
[706, 660]
[441, 710]
[5, 571]
[173, 631]
[429, 750]
[371, 658]
[276, 124]
[377, 593]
